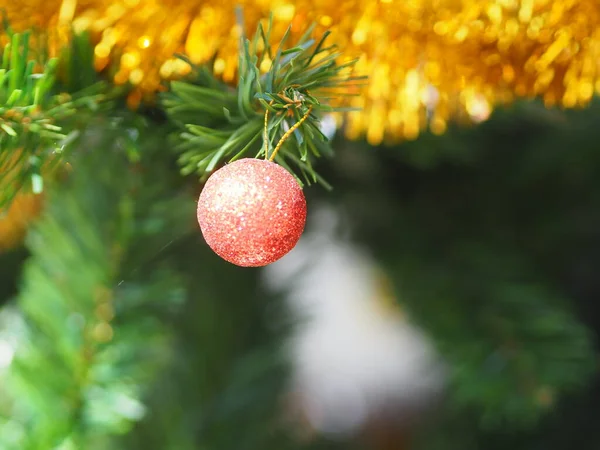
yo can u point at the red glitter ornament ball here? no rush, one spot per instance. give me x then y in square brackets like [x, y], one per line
[252, 212]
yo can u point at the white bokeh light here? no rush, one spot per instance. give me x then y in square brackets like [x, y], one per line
[12, 330]
[353, 357]
[7, 353]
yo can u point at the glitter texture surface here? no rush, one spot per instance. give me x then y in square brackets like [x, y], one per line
[252, 212]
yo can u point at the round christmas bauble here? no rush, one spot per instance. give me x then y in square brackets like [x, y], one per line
[252, 212]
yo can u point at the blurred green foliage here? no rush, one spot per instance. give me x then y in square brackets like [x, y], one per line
[491, 235]
[491, 241]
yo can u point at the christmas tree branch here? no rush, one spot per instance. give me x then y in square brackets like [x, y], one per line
[87, 308]
[513, 344]
[36, 109]
[281, 96]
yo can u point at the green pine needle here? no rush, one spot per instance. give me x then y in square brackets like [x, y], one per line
[34, 111]
[221, 124]
[91, 342]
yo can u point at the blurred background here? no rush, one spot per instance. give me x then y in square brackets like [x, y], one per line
[444, 295]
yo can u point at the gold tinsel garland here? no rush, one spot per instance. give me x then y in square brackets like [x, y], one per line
[428, 60]
[15, 219]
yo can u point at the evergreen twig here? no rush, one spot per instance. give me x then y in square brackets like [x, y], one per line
[33, 112]
[90, 333]
[223, 124]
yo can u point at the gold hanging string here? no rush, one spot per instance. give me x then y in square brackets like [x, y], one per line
[289, 132]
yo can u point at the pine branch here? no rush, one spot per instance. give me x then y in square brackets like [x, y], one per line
[224, 124]
[91, 342]
[513, 344]
[36, 115]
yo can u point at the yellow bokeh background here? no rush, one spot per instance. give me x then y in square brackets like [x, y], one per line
[428, 61]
